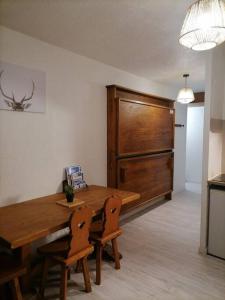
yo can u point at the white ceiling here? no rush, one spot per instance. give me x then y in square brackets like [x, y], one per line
[138, 36]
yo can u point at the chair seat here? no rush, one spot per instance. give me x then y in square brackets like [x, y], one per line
[59, 247]
[97, 236]
[96, 226]
[58, 250]
[75, 257]
[10, 268]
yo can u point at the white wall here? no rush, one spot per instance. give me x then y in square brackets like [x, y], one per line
[214, 129]
[194, 143]
[35, 148]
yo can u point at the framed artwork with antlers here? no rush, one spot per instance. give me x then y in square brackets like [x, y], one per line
[21, 89]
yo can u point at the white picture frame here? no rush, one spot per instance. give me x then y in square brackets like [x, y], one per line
[22, 89]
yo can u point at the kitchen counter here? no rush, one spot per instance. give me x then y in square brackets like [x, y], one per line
[218, 181]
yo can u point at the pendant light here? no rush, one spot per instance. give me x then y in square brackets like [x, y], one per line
[186, 94]
[204, 25]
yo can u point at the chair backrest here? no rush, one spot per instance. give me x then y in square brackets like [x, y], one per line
[112, 208]
[80, 222]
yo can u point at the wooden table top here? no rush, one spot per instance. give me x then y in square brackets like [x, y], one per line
[22, 223]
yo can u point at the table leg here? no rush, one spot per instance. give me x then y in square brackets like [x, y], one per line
[4, 292]
[24, 255]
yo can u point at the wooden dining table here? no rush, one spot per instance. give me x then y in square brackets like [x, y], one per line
[23, 223]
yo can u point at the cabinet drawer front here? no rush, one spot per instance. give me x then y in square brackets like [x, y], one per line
[150, 175]
[144, 128]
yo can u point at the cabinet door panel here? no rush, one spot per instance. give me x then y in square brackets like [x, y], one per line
[144, 128]
[150, 175]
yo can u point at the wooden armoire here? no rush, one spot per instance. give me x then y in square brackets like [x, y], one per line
[140, 142]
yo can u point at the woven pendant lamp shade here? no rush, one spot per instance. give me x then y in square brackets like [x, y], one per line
[204, 25]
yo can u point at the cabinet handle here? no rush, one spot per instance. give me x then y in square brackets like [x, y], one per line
[122, 175]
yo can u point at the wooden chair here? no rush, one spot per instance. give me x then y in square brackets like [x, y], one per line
[10, 271]
[70, 249]
[107, 230]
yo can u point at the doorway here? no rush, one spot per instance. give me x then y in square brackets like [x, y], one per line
[194, 147]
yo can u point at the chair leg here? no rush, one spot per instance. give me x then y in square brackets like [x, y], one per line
[69, 273]
[78, 268]
[98, 263]
[116, 254]
[44, 277]
[86, 275]
[63, 288]
[15, 285]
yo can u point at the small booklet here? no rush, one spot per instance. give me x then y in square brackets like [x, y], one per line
[75, 177]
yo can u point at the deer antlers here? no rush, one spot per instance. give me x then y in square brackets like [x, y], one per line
[32, 93]
[7, 97]
[14, 104]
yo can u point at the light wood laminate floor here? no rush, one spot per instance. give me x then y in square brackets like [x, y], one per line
[160, 260]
